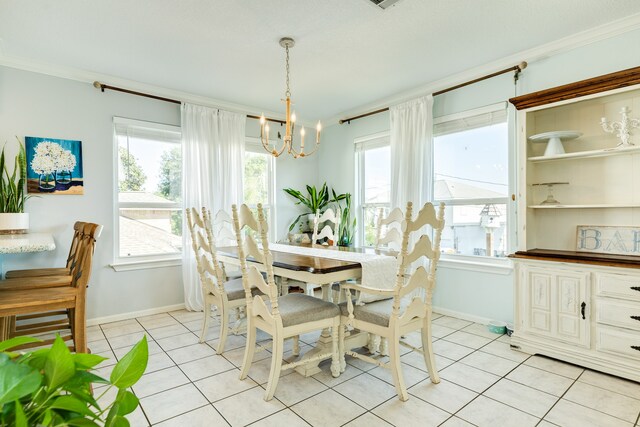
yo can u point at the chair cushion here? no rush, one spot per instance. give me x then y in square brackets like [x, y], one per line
[235, 290]
[296, 309]
[377, 312]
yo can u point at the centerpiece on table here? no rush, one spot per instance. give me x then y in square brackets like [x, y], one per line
[13, 219]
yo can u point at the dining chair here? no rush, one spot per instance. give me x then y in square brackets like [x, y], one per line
[392, 237]
[226, 295]
[332, 235]
[223, 235]
[78, 228]
[405, 311]
[281, 317]
[36, 297]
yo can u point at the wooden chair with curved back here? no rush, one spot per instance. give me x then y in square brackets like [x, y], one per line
[36, 297]
[281, 317]
[226, 295]
[78, 231]
[405, 311]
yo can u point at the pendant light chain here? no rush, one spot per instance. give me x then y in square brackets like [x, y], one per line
[288, 92]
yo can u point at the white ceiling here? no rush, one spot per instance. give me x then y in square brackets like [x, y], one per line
[348, 53]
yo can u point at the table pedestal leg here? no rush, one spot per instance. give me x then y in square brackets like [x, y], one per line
[353, 339]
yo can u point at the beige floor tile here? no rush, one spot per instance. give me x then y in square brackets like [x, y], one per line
[157, 362]
[294, 388]
[153, 347]
[368, 420]
[540, 380]
[609, 402]
[469, 377]
[451, 322]
[223, 385]
[413, 412]
[445, 395]
[260, 371]
[416, 360]
[456, 422]
[118, 324]
[237, 356]
[480, 329]
[521, 397]
[467, 339]
[110, 357]
[366, 390]
[451, 350]
[490, 363]
[99, 346]
[189, 353]
[247, 407]
[609, 382]
[504, 350]
[232, 342]
[127, 340]
[206, 416]
[157, 321]
[125, 329]
[171, 343]
[326, 378]
[158, 381]
[170, 403]
[569, 414]
[184, 316]
[167, 331]
[206, 367]
[555, 366]
[485, 412]
[439, 331]
[411, 375]
[310, 337]
[327, 409]
[283, 418]
[94, 333]
[364, 365]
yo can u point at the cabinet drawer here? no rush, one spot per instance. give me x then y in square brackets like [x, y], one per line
[618, 342]
[618, 285]
[618, 313]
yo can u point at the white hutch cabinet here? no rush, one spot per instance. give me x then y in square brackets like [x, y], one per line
[581, 307]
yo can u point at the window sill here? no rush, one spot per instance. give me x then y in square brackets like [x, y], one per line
[502, 266]
[146, 264]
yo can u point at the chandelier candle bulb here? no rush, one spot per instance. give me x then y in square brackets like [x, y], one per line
[302, 132]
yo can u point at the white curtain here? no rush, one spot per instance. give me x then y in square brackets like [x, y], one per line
[411, 152]
[212, 166]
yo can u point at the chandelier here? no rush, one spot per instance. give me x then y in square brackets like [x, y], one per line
[290, 123]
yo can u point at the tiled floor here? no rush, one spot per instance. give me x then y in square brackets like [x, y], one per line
[484, 383]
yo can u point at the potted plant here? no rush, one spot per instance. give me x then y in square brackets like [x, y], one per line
[315, 201]
[12, 194]
[53, 387]
[347, 230]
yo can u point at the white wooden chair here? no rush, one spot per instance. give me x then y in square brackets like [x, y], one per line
[392, 237]
[404, 313]
[332, 234]
[281, 317]
[223, 235]
[226, 295]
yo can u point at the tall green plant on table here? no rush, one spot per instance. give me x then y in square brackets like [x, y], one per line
[347, 230]
[53, 387]
[12, 186]
[314, 201]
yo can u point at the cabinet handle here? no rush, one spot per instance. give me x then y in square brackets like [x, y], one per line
[583, 307]
[635, 318]
[636, 347]
[635, 288]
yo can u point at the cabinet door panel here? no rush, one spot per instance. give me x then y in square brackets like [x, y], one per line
[572, 290]
[539, 318]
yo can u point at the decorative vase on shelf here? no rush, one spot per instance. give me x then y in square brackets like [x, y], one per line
[47, 182]
[63, 177]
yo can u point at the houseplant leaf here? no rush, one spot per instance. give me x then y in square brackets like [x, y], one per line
[16, 380]
[87, 361]
[72, 404]
[131, 367]
[21, 419]
[59, 366]
[17, 341]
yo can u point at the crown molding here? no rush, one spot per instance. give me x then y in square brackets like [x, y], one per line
[89, 77]
[531, 56]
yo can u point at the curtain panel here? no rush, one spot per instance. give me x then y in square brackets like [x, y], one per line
[212, 164]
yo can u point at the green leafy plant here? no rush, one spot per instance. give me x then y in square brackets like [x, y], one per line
[347, 230]
[12, 186]
[53, 387]
[315, 201]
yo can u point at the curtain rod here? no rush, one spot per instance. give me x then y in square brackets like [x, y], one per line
[104, 87]
[517, 68]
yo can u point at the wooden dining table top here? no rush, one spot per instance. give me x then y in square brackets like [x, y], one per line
[311, 264]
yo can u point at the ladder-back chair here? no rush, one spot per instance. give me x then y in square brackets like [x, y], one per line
[405, 312]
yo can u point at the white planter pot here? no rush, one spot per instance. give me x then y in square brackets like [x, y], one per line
[310, 218]
[14, 223]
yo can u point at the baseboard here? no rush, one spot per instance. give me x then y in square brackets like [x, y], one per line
[133, 314]
[461, 315]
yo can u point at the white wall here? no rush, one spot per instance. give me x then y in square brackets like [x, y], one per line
[480, 293]
[34, 104]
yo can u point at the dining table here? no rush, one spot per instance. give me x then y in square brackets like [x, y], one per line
[24, 243]
[327, 268]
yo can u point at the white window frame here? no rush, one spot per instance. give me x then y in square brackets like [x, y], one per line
[138, 262]
[362, 144]
[253, 145]
[474, 262]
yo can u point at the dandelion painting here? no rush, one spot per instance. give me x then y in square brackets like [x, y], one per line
[54, 166]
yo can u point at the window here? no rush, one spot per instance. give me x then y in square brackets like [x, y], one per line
[149, 206]
[259, 181]
[471, 176]
[373, 163]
